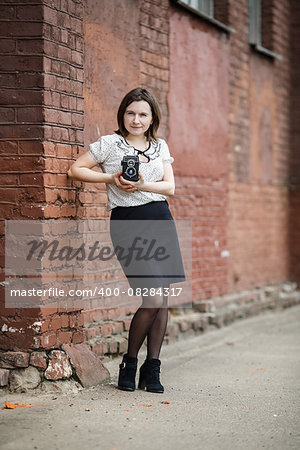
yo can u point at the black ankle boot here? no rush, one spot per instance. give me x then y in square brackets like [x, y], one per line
[127, 373]
[149, 376]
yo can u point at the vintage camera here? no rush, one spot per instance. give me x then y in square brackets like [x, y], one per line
[130, 167]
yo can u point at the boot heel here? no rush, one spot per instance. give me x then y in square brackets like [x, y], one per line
[149, 376]
[142, 383]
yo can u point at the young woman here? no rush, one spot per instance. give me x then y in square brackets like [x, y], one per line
[137, 201]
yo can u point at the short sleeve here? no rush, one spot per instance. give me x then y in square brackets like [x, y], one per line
[99, 150]
[166, 157]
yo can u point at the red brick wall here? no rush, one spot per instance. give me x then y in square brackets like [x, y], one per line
[259, 154]
[154, 56]
[199, 109]
[63, 102]
[294, 157]
[41, 130]
[236, 156]
[111, 69]
[21, 92]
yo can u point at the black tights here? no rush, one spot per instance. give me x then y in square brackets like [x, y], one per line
[149, 320]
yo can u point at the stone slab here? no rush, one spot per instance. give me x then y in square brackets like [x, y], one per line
[89, 369]
[58, 366]
[22, 380]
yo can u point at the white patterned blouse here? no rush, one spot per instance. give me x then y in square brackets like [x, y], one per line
[109, 150]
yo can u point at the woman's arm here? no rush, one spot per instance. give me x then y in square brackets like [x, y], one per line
[164, 187]
[81, 170]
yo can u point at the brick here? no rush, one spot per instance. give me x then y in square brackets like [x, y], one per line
[38, 359]
[20, 97]
[59, 322]
[29, 80]
[7, 11]
[113, 345]
[8, 80]
[22, 62]
[31, 114]
[31, 179]
[78, 337]
[32, 212]
[21, 163]
[52, 212]
[7, 114]
[106, 329]
[76, 25]
[8, 147]
[30, 147]
[48, 340]
[7, 46]
[100, 348]
[50, 15]
[117, 327]
[76, 58]
[122, 344]
[77, 120]
[28, 12]
[9, 194]
[64, 53]
[4, 373]
[30, 46]
[91, 333]
[11, 360]
[20, 29]
[68, 210]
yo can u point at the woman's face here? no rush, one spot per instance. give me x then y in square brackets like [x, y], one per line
[137, 118]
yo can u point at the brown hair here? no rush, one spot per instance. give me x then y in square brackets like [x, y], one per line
[137, 95]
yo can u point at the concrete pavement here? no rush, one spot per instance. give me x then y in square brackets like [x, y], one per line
[237, 387]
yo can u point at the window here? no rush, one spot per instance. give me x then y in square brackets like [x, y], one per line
[260, 27]
[208, 9]
[204, 6]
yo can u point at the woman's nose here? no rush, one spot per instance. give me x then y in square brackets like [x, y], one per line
[136, 118]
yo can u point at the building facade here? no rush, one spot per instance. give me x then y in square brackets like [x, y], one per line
[226, 76]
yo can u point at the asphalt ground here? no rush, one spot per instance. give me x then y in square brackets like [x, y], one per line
[237, 387]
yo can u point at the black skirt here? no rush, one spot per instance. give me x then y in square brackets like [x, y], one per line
[146, 244]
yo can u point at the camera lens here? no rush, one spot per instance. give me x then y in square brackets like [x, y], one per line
[130, 162]
[131, 171]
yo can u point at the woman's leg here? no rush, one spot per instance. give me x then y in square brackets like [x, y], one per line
[157, 331]
[142, 322]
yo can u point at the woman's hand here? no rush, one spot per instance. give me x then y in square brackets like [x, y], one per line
[136, 185]
[164, 187]
[121, 183]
